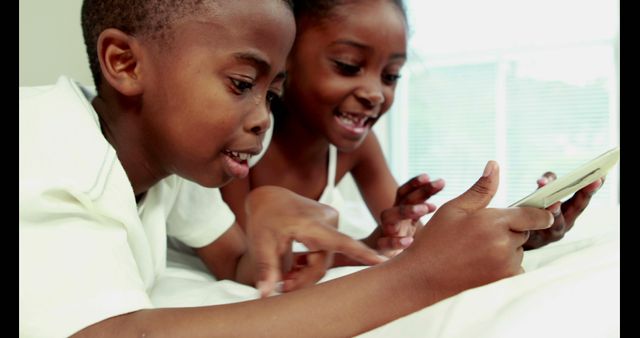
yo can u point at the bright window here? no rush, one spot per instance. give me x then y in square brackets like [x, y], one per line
[531, 84]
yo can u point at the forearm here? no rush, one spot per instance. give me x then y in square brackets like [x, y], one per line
[234, 195]
[227, 257]
[343, 307]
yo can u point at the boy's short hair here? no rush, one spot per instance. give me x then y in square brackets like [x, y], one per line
[149, 18]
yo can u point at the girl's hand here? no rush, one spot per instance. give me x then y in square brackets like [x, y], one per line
[400, 222]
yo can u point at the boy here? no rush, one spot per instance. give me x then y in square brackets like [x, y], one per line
[183, 92]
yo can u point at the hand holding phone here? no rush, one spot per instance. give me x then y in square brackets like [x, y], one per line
[572, 182]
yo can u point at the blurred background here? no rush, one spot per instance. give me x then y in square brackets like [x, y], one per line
[51, 43]
[531, 84]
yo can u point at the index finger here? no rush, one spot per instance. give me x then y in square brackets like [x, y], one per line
[329, 239]
[411, 185]
[422, 193]
[528, 218]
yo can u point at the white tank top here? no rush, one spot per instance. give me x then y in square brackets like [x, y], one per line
[330, 196]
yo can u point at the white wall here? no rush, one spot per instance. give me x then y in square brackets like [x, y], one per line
[51, 45]
[51, 42]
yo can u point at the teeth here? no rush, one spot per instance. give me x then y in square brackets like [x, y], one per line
[238, 155]
[347, 120]
[354, 119]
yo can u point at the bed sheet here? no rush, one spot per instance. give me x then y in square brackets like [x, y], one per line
[571, 288]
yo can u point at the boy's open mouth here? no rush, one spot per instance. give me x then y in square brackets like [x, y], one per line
[237, 156]
[236, 164]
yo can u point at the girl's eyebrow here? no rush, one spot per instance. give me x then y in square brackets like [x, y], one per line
[366, 48]
[351, 43]
[402, 56]
[280, 77]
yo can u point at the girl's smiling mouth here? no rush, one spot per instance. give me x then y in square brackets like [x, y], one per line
[357, 123]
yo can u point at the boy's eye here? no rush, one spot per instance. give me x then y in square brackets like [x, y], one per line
[347, 69]
[241, 86]
[390, 79]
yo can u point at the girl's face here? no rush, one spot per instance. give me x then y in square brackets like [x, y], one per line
[206, 101]
[343, 69]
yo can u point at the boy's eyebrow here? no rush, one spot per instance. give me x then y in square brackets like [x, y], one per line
[359, 45]
[254, 59]
[263, 66]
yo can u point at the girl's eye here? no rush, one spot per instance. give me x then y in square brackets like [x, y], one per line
[273, 99]
[241, 86]
[347, 69]
[390, 79]
[272, 96]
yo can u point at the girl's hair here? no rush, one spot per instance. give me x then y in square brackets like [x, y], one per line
[150, 18]
[321, 9]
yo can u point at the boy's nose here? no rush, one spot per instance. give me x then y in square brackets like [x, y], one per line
[259, 121]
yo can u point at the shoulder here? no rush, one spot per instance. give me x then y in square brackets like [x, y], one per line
[198, 214]
[60, 140]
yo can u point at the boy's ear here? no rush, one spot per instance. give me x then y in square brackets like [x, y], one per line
[119, 55]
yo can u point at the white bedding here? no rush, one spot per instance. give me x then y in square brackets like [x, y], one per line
[571, 289]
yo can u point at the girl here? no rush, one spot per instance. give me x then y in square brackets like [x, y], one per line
[342, 74]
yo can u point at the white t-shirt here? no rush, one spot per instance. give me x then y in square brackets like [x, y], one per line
[87, 250]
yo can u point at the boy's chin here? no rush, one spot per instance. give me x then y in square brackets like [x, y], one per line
[226, 181]
[211, 182]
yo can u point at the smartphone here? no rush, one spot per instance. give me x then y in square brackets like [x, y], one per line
[572, 182]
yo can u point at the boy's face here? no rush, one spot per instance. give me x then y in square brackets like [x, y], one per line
[342, 74]
[205, 102]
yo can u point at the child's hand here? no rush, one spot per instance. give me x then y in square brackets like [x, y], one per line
[465, 244]
[277, 216]
[400, 222]
[565, 214]
[307, 269]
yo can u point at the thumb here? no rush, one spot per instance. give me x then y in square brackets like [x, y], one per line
[481, 193]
